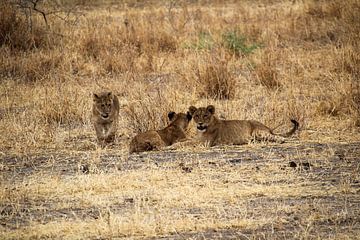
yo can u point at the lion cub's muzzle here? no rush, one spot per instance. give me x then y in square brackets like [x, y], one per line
[105, 115]
[201, 128]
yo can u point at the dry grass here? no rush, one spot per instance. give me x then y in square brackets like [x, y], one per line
[15, 31]
[216, 80]
[296, 59]
[266, 71]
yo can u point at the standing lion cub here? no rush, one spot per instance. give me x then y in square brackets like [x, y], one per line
[155, 140]
[105, 115]
[218, 132]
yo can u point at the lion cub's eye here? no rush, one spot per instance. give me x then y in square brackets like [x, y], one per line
[103, 105]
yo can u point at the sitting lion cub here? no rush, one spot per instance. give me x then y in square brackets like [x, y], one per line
[155, 140]
[219, 132]
[105, 115]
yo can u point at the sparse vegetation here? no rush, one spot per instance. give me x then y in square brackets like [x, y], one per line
[236, 43]
[204, 42]
[216, 80]
[158, 56]
[266, 71]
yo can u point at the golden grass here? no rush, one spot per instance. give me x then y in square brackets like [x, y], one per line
[158, 57]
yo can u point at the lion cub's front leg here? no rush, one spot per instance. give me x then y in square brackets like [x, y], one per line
[99, 132]
[110, 132]
[155, 144]
[105, 133]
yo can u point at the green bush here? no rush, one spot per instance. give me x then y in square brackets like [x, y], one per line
[237, 43]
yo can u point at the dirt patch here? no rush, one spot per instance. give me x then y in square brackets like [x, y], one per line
[327, 204]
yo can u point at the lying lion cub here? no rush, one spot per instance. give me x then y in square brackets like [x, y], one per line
[220, 132]
[155, 140]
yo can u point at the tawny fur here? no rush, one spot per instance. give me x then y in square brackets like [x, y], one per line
[155, 140]
[105, 116]
[233, 132]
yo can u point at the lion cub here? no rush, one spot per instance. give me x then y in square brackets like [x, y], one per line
[105, 115]
[218, 132]
[155, 140]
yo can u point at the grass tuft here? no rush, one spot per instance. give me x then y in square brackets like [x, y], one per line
[216, 79]
[266, 72]
[141, 115]
[61, 105]
[204, 42]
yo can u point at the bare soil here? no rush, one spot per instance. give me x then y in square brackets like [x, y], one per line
[318, 165]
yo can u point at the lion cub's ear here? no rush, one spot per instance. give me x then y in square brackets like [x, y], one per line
[171, 115]
[95, 96]
[211, 109]
[188, 116]
[192, 110]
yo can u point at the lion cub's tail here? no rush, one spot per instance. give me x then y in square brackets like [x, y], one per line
[293, 130]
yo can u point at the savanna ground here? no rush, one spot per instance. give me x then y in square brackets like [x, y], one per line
[264, 60]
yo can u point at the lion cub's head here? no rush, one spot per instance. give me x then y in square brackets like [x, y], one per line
[202, 116]
[103, 104]
[179, 119]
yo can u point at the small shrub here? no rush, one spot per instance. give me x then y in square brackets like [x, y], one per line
[320, 10]
[345, 101]
[15, 31]
[141, 114]
[217, 80]
[120, 61]
[236, 43]
[61, 106]
[148, 39]
[163, 42]
[143, 118]
[92, 47]
[266, 72]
